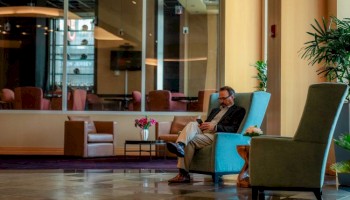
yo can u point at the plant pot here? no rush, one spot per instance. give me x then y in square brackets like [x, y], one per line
[343, 126]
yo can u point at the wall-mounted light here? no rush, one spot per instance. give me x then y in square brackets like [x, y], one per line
[178, 9]
[116, 72]
[7, 26]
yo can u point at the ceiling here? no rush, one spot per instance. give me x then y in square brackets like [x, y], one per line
[88, 6]
[74, 5]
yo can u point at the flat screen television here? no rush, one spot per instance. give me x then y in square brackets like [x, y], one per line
[125, 60]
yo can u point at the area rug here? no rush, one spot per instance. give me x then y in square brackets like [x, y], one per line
[63, 162]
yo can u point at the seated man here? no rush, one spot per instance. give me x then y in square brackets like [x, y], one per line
[194, 136]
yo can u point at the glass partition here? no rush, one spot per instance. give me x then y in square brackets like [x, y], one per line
[182, 66]
[125, 55]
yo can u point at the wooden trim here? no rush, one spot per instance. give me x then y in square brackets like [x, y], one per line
[30, 151]
[54, 151]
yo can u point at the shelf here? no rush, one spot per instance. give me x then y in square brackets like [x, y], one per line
[77, 31]
[80, 54]
[75, 60]
[74, 45]
[75, 74]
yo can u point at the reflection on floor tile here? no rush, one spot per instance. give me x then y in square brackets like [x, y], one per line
[135, 184]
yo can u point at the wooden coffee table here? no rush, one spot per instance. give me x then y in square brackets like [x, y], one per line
[148, 143]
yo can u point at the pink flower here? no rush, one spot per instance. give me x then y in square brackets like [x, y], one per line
[253, 131]
[145, 122]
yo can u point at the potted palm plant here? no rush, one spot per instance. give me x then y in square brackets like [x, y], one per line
[261, 67]
[330, 49]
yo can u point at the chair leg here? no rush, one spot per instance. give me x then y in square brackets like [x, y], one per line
[257, 193]
[318, 193]
[215, 177]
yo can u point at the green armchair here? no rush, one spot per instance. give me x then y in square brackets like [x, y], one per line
[221, 157]
[298, 163]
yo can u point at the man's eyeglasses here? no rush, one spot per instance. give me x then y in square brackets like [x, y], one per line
[223, 98]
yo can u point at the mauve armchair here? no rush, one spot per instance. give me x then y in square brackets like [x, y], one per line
[160, 100]
[299, 163]
[30, 98]
[135, 104]
[221, 157]
[86, 138]
[7, 98]
[203, 101]
[94, 102]
[77, 100]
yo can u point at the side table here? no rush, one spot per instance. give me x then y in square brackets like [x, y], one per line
[149, 143]
[243, 177]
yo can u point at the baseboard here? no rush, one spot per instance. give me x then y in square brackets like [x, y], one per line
[30, 151]
[56, 151]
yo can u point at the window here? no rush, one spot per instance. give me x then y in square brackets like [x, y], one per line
[123, 56]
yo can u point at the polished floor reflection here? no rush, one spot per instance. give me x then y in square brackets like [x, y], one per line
[134, 184]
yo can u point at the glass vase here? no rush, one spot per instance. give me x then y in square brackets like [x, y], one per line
[144, 134]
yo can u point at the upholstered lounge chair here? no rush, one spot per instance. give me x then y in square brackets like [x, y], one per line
[299, 163]
[86, 138]
[78, 100]
[160, 100]
[7, 98]
[30, 98]
[222, 157]
[135, 104]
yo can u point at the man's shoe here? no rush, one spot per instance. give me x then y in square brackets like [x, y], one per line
[181, 178]
[176, 148]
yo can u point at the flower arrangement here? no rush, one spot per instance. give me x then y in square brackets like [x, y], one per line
[253, 131]
[145, 122]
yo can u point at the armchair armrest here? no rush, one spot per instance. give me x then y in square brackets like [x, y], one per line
[162, 128]
[224, 151]
[105, 126]
[296, 160]
[75, 137]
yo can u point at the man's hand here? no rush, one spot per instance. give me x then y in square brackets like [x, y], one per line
[207, 126]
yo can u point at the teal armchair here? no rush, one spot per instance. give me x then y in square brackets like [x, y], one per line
[221, 157]
[298, 163]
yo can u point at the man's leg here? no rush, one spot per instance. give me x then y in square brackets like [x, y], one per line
[186, 135]
[198, 142]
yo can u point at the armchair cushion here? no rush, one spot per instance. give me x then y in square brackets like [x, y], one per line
[91, 126]
[99, 137]
[180, 122]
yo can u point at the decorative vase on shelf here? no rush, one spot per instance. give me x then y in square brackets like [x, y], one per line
[144, 134]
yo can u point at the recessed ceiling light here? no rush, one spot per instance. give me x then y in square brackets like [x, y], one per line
[133, 2]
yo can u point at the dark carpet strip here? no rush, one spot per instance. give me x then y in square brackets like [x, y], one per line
[64, 162]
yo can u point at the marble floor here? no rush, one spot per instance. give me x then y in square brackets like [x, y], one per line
[134, 184]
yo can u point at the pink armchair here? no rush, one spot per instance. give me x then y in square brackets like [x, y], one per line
[160, 100]
[203, 101]
[94, 102]
[135, 105]
[7, 98]
[78, 100]
[30, 98]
